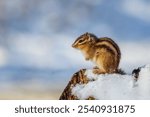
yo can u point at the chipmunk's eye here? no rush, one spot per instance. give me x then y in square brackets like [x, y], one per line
[81, 41]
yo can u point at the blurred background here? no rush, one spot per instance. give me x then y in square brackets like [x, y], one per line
[36, 57]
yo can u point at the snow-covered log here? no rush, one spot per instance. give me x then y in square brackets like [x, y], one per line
[86, 85]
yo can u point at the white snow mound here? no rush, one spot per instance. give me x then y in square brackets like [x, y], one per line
[115, 86]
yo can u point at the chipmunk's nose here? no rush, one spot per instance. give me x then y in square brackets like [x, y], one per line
[73, 45]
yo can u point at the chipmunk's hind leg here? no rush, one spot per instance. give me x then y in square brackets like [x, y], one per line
[99, 69]
[109, 64]
[105, 64]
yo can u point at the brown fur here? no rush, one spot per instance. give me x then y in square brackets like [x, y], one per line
[104, 52]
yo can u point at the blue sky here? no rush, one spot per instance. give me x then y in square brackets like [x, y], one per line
[36, 36]
[123, 19]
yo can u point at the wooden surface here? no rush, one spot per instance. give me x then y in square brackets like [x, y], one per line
[77, 78]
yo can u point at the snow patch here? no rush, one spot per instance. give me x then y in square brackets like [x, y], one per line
[115, 86]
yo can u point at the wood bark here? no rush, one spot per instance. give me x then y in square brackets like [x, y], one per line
[77, 78]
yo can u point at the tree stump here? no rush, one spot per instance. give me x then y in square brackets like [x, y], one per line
[80, 78]
[77, 78]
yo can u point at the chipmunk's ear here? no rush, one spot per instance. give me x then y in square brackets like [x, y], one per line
[86, 33]
[88, 36]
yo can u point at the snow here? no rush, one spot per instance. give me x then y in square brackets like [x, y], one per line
[115, 86]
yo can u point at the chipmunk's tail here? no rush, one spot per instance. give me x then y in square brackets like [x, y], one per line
[120, 71]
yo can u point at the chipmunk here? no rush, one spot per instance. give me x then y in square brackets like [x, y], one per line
[104, 52]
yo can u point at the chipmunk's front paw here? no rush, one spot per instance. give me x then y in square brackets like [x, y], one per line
[95, 67]
[87, 59]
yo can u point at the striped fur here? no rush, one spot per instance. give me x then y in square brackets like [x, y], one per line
[102, 51]
[111, 45]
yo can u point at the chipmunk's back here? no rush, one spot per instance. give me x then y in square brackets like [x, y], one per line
[111, 57]
[108, 42]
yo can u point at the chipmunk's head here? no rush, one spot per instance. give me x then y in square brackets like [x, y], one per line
[84, 40]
